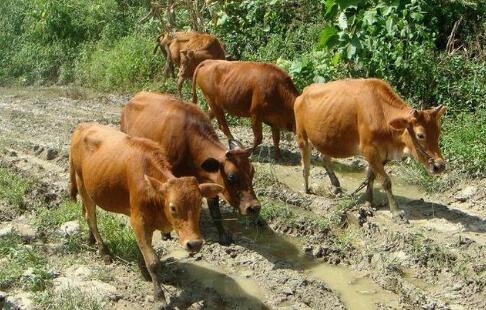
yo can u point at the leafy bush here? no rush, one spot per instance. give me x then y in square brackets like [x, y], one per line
[127, 64]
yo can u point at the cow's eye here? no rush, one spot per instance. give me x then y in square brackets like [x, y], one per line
[420, 136]
[172, 208]
[232, 178]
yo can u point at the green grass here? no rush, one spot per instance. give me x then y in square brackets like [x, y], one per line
[17, 259]
[72, 299]
[114, 230]
[12, 187]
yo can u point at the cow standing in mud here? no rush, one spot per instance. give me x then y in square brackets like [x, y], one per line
[193, 149]
[261, 91]
[366, 117]
[187, 50]
[131, 176]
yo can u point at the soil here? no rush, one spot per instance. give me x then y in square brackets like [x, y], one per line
[436, 261]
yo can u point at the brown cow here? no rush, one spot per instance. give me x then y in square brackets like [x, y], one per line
[261, 91]
[189, 140]
[187, 50]
[131, 176]
[366, 117]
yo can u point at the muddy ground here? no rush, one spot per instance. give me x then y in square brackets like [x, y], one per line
[308, 251]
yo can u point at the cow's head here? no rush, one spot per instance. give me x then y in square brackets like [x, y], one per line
[236, 175]
[181, 200]
[421, 136]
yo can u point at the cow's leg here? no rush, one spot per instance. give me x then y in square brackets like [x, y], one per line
[223, 126]
[225, 237]
[376, 164]
[91, 238]
[89, 207]
[256, 126]
[180, 81]
[276, 141]
[368, 197]
[169, 67]
[144, 241]
[326, 162]
[305, 151]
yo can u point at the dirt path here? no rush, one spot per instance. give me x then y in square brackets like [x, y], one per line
[437, 261]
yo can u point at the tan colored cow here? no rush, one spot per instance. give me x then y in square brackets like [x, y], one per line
[366, 117]
[193, 149]
[187, 50]
[131, 176]
[261, 91]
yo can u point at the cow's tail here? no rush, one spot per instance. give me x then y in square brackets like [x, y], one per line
[73, 190]
[194, 83]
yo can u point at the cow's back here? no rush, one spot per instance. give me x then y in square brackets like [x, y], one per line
[168, 121]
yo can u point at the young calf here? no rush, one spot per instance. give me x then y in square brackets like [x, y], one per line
[366, 117]
[130, 176]
[193, 149]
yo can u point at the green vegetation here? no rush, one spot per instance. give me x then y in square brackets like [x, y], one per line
[71, 299]
[432, 52]
[12, 188]
[17, 259]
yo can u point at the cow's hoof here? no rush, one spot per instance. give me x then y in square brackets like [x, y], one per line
[161, 305]
[335, 190]
[166, 236]
[400, 217]
[145, 273]
[107, 259]
[225, 238]
[91, 239]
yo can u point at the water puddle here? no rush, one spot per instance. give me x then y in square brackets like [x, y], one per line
[223, 282]
[355, 290]
[350, 180]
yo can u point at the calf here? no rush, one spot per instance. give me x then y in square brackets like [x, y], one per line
[366, 117]
[131, 176]
[193, 149]
[261, 91]
[187, 50]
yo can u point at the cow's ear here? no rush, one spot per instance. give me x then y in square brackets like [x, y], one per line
[210, 190]
[438, 111]
[211, 165]
[154, 185]
[399, 123]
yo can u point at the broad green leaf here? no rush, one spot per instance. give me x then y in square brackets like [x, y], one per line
[370, 17]
[350, 50]
[389, 25]
[327, 35]
[342, 21]
[223, 17]
[331, 8]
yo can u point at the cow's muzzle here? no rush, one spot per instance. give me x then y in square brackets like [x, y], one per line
[194, 245]
[437, 166]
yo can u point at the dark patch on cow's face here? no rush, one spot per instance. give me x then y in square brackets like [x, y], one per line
[211, 165]
[238, 173]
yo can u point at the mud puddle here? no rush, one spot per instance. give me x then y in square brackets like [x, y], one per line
[350, 180]
[356, 291]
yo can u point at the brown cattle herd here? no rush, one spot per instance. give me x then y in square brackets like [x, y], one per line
[167, 156]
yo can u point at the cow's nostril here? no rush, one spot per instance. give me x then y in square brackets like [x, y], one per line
[254, 209]
[194, 245]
